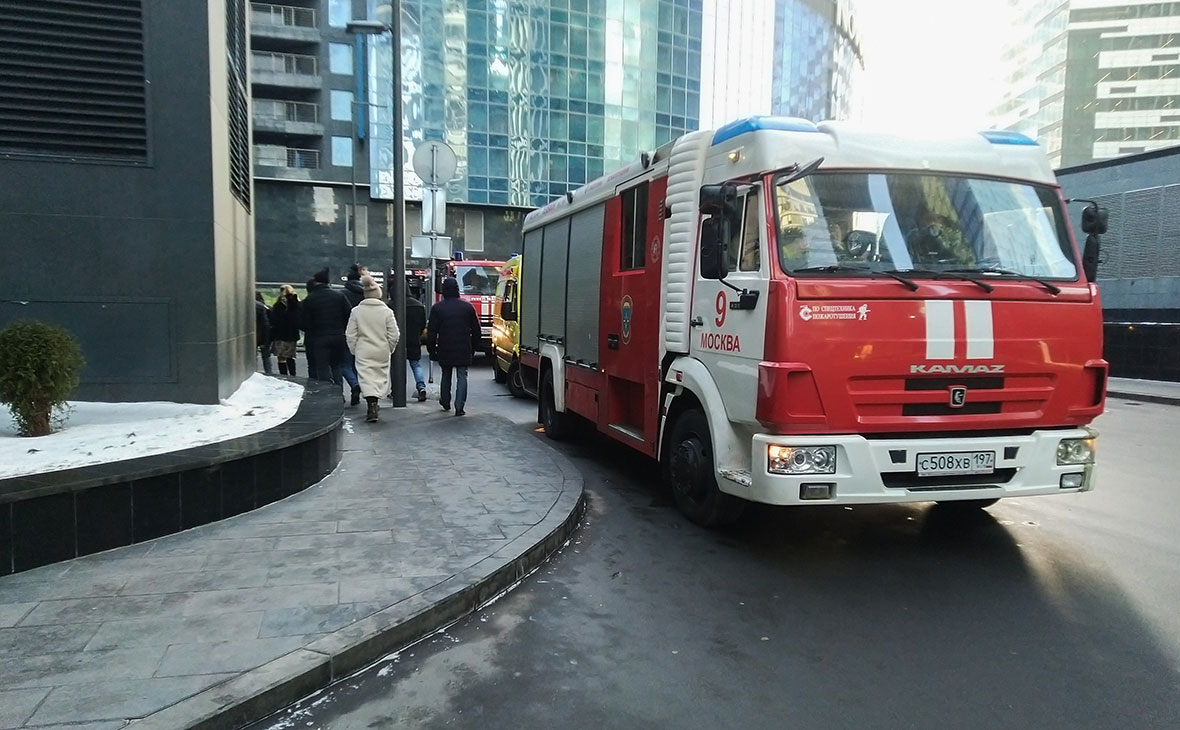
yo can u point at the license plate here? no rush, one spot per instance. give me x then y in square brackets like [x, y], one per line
[956, 462]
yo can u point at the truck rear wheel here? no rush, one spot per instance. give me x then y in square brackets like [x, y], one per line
[556, 424]
[690, 474]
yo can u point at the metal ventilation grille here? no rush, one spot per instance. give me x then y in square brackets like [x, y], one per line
[239, 89]
[72, 78]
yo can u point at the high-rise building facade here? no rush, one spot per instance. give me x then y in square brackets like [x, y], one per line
[534, 96]
[797, 58]
[1094, 79]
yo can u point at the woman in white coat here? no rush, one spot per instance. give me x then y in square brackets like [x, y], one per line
[372, 334]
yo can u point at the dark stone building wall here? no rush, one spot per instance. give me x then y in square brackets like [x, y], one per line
[300, 227]
[1139, 277]
[148, 261]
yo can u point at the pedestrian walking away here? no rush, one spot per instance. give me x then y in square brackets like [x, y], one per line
[415, 331]
[372, 335]
[262, 331]
[323, 317]
[452, 337]
[284, 328]
[354, 293]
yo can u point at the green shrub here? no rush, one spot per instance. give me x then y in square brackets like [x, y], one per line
[39, 366]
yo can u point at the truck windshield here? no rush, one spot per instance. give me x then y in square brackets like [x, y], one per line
[477, 280]
[856, 223]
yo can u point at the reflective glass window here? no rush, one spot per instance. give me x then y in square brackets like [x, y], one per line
[339, 13]
[341, 105]
[342, 151]
[340, 58]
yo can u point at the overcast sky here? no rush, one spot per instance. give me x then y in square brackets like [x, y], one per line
[932, 64]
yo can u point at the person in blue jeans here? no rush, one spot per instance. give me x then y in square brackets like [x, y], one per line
[452, 337]
[415, 324]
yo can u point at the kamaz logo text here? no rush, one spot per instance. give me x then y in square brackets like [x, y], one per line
[954, 369]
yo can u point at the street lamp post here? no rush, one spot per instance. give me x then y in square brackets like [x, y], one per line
[397, 284]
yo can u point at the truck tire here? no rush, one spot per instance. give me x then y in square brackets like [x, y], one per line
[691, 477]
[557, 425]
[516, 381]
[498, 375]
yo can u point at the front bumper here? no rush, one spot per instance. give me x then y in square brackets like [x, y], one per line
[884, 470]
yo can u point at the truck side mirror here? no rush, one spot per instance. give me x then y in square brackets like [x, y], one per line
[1090, 258]
[719, 203]
[1094, 219]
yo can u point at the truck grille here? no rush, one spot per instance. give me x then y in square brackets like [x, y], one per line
[881, 399]
[910, 480]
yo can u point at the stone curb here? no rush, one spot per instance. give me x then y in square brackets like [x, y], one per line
[266, 689]
[1144, 397]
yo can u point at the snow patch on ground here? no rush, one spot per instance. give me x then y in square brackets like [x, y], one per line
[97, 433]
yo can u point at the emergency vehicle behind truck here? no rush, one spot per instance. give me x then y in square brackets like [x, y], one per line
[790, 313]
[477, 284]
[506, 329]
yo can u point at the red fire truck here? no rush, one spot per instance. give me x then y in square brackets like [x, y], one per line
[790, 313]
[477, 284]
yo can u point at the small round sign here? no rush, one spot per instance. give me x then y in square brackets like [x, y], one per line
[435, 162]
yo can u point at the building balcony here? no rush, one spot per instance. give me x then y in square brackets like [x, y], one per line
[287, 117]
[285, 70]
[283, 23]
[291, 158]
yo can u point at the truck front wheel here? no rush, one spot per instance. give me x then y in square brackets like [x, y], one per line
[691, 477]
[556, 423]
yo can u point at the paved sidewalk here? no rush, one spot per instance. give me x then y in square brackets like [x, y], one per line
[1152, 391]
[427, 517]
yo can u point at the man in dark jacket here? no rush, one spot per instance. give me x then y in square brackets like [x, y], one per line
[262, 331]
[415, 323]
[323, 318]
[354, 293]
[452, 337]
[352, 287]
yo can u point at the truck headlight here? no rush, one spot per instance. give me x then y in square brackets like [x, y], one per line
[1075, 451]
[801, 459]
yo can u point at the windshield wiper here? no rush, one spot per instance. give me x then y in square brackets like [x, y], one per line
[910, 283]
[1052, 288]
[945, 275]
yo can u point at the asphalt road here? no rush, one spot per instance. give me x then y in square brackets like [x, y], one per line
[1058, 612]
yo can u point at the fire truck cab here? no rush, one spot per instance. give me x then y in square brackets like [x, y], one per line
[791, 313]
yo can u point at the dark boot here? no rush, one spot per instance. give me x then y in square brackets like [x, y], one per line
[421, 394]
[282, 367]
[371, 416]
[356, 396]
[291, 368]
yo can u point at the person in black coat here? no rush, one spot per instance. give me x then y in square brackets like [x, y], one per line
[284, 328]
[352, 287]
[452, 337]
[323, 317]
[262, 331]
[415, 323]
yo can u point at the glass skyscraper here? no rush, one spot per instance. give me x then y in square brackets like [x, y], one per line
[1094, 79]
[536, 97]
[797, 58]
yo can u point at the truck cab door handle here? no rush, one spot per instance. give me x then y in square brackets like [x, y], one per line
[697, 322]
[612, 342]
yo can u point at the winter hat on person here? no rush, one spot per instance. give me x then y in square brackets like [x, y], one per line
[371, 287]
[354, 271]
[322, 275]
[450, 287]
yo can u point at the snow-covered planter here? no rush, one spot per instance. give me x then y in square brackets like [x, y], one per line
[39, 366]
